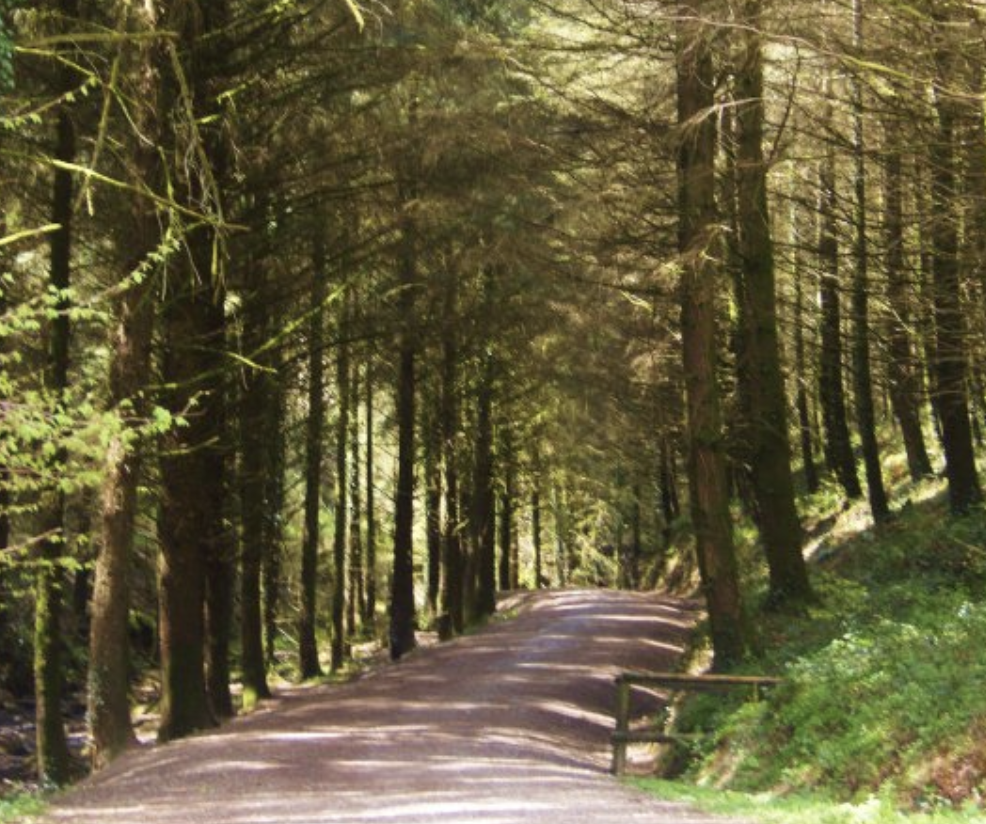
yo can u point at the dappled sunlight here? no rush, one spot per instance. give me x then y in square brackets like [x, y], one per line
[511, 724]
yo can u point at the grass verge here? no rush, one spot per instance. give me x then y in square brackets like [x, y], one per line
[765, 808]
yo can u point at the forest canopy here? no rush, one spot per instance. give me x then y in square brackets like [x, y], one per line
[323, 321]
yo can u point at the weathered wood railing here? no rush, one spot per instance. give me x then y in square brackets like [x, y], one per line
[674, 682]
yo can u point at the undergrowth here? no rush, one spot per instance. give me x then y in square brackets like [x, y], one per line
[883, 692]
[18, 806]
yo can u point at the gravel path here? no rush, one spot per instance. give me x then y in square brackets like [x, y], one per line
[506, 726]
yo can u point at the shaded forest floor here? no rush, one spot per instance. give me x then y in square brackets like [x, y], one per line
[510, 724]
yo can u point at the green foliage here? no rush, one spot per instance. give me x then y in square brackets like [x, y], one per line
[884, 676]
[7, 8]
[800, 809]
[18, 805]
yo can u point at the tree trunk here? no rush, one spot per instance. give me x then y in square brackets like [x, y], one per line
[52, 744]
[453, 582]
[838, 446]
[133, 312]
[801, 363]
[188, 515]
[274, 503]
[369, 616]
[903, 376]
[308, 662]
[951, 360]
[341, 537]
[697, 242]
[773, 483]
[558, 506]
[536, 536]
[484, 495]
[356, 603]
[433, 510]
[862, 377]
[257, 395]
[402, 610]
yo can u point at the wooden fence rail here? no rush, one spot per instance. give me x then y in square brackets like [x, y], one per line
[674, 682]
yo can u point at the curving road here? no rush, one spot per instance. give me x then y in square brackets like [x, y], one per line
[506, 726]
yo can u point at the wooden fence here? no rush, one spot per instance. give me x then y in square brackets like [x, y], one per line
[674, 682]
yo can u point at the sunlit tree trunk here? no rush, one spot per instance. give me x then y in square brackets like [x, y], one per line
[133, 312]
[838, 446]
[862, 369]
[902, 368]
[951, 359]
[356, 603]
[697, 241]
[801, 362]
[773, 483]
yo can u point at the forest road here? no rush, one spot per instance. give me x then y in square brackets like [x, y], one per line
[506, 726]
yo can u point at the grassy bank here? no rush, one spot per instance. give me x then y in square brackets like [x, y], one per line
[884, 694]
[766, 808]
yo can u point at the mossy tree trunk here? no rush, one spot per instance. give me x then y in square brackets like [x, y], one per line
[133, 312]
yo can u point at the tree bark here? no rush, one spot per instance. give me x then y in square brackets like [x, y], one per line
[484, 495]
[256, 397]
[862, 368]
[838, 446]
[697, 241]
[371, 510]
[801, 364]
[189, 513]
[536, 536]
[402, 609]
[433, 510]
[53, 760]
[274, 503]
[773, 483]
[130, 364]
[341, 537]
[356, 603]
[308, 661]
[902, 368]
[951, 359]
[453, 582]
